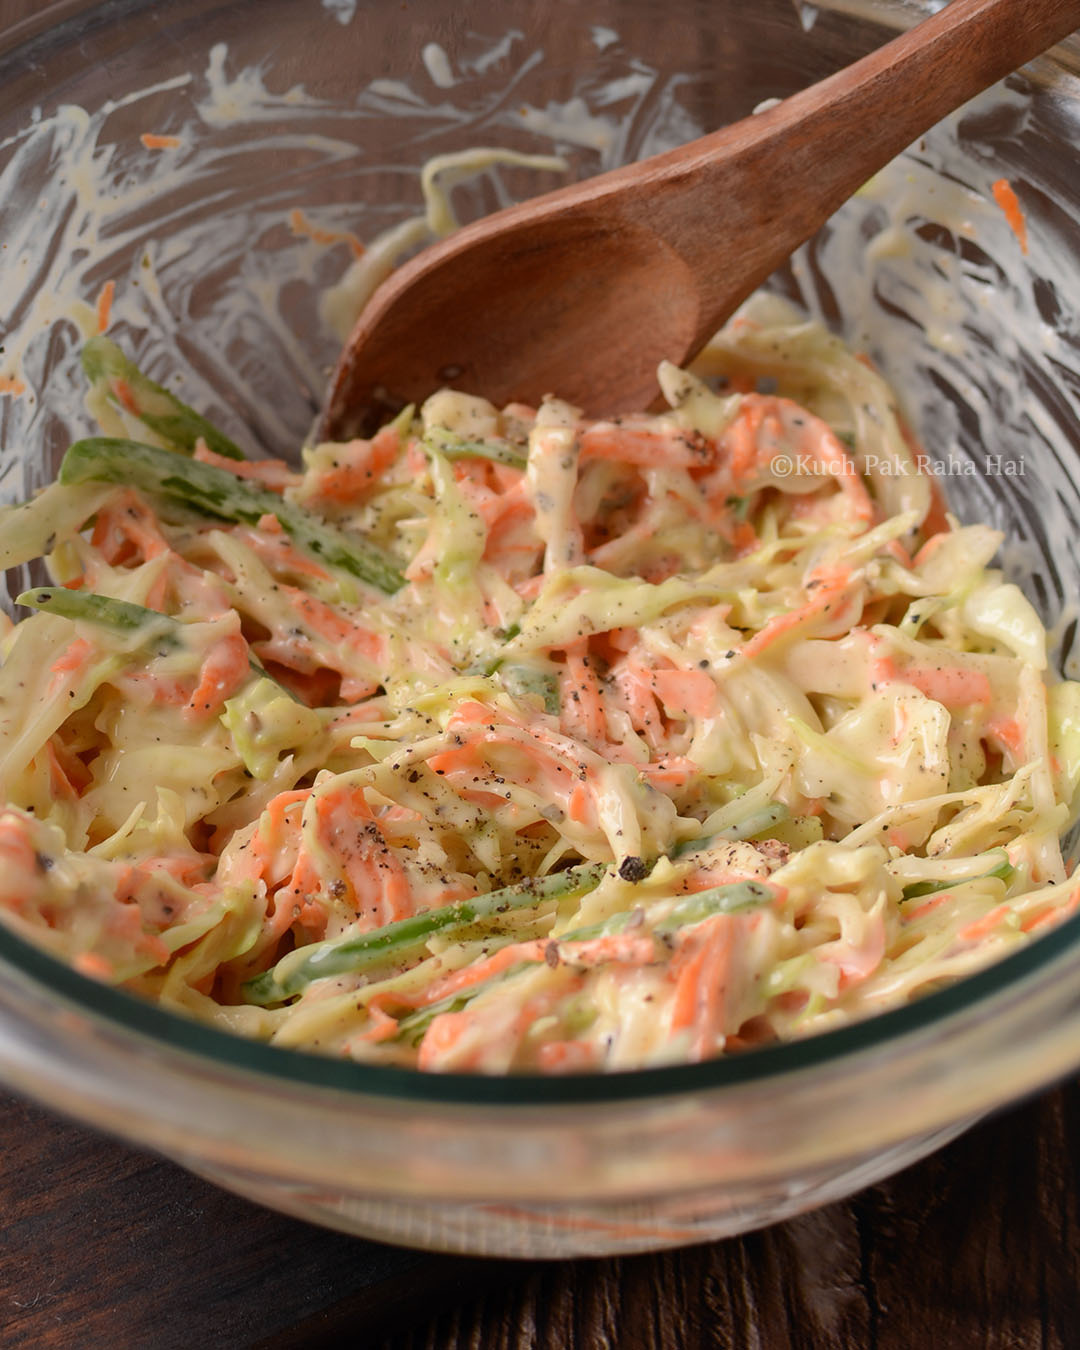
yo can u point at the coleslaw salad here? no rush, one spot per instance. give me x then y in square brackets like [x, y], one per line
[510, 740]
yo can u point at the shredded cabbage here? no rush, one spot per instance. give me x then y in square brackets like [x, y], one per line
[685, 733]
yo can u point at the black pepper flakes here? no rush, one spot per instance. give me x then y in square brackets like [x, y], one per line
[633, 869]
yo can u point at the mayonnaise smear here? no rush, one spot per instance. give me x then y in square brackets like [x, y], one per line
[225, 225]
[220, 270]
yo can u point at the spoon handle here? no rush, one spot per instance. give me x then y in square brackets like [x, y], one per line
[774, 179]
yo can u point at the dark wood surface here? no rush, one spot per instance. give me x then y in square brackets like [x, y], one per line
[978, 1246]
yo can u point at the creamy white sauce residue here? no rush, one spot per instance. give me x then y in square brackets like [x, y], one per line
[342, 10]
[437, 64]
[922, 268]
[224, 304]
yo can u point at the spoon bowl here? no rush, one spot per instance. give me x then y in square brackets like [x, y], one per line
[585, 290]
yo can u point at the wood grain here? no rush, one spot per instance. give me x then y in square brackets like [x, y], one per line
[977, 1247]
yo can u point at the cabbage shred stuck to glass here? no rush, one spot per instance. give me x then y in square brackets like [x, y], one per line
[513, 741]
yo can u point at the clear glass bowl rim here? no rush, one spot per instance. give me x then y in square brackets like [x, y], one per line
[158, 1026]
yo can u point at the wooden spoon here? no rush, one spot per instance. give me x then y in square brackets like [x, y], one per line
[582, 292]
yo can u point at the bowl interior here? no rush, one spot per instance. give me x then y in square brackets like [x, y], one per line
[210, 166]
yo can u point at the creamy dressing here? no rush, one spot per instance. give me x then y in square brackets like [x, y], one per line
[437, 64]
[412, 752]
[119, 211]
[944, 290]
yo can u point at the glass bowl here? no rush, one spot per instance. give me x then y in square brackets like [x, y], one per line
[209, 160]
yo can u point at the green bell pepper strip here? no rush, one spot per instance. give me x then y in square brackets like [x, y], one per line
[108, 369]
[732, 898]
[452, 446]
[775, 813]
[1005, 870]
[218, 493]
[121, 616]
[394, 940]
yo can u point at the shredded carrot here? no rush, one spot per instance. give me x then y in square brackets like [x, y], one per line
[1010, 732]
[356, 468]
[17, 853]
[566, 1056]
[625, 949]
[981, 927]
[632, 683]
[716, 874]
[104, 305]
[74, 657]
[127, 531]
[896, 550]
[280, 806]
[383, 1027]
[301, 226]
[952, 686]
[456, 759]
[578, 805]
[829, 588]
[701, 968]
[928, 906]
[479, 971]
[670, 772]
[1007, 199]
[740, 440]
[352, 843]
[93, 965]
[766, 431]
[689, 972]
[11, 384]
[442, 1036]
[583, 707]
[155, 141]
[123, 394]
[631, 443]
[272, 473]
[685, 693]
[223, 671]
[1052, 916]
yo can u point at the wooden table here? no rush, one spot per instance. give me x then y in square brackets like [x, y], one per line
[103, 1246]
[978, 1246]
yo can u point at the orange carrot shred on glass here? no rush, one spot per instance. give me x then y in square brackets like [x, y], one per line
[1007, 199]
[304, 228]
[154, 141]
[104, 305]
